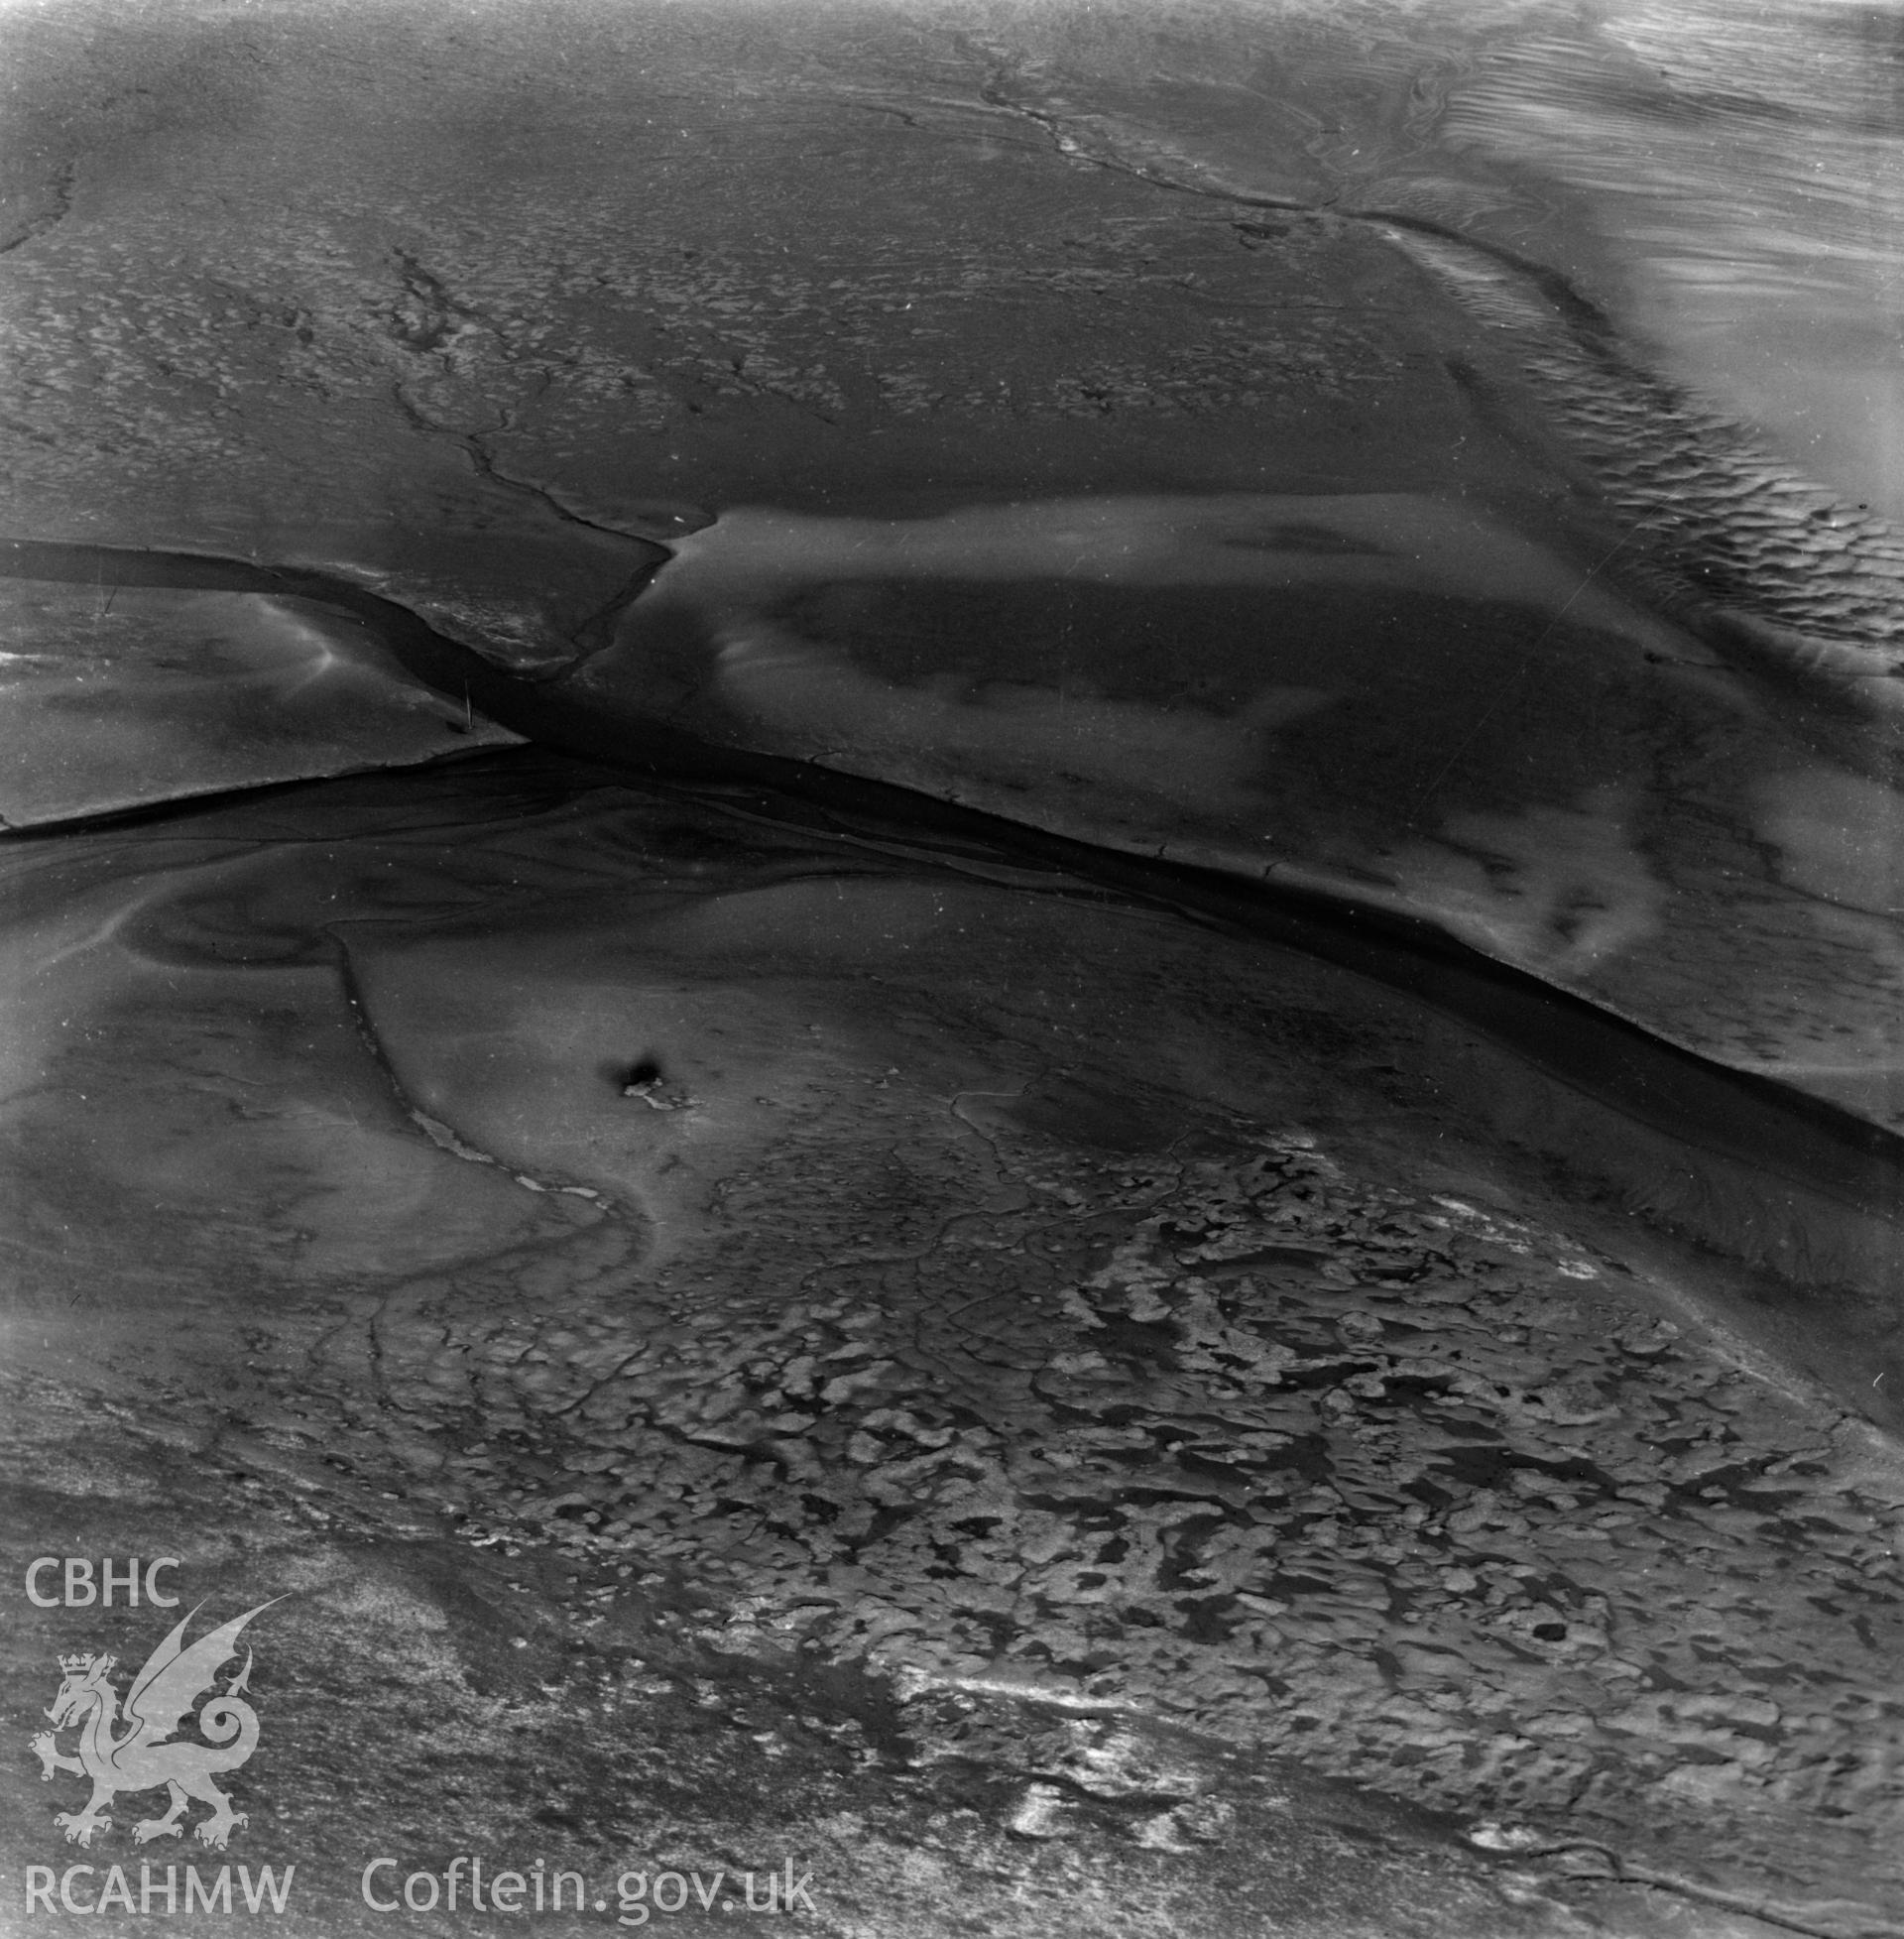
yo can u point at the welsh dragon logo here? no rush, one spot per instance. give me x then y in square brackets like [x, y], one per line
[139, 1757]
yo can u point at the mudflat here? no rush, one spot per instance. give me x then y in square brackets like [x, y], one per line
[943, 959]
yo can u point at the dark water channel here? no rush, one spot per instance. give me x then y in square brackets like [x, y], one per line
[1762, 1170]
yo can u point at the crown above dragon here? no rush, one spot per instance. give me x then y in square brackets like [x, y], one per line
[73, 1663]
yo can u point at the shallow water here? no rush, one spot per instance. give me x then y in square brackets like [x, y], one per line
[1727, 181]
[1744, 171]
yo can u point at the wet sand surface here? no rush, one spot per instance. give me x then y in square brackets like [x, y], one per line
[910, 1325]
[114, 697]
[1145, 1178]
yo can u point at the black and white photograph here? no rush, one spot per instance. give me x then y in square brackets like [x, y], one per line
[952, 969]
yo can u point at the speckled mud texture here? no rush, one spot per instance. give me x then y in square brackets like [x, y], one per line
[1007, 1376]
[952, 969]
